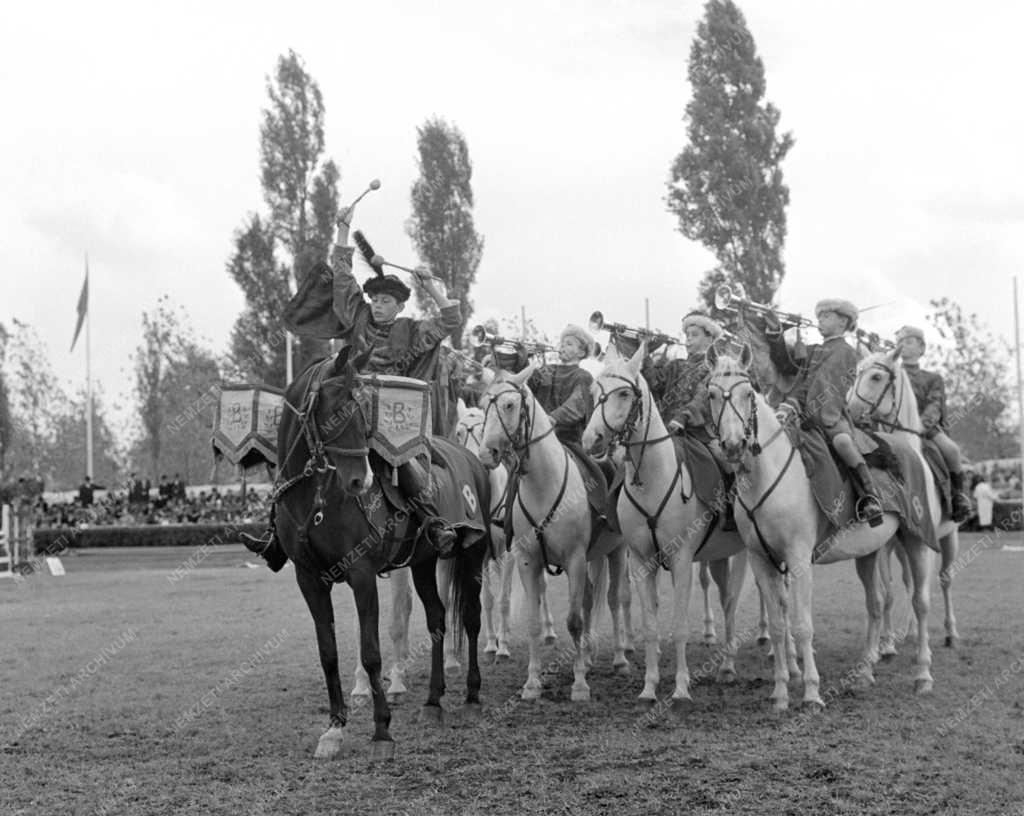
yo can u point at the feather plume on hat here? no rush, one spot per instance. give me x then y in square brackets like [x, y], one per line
[367, 252]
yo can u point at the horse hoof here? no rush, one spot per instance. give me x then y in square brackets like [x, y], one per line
[682, 705]
[329, 745]
[580, 695]
[452, 668]
[726, 676]
[813, 706]
[382, 750]
[530, 693]
[779, 706]
[646, 704]
[432, 715]
[952, 642]
[502, 657]
[395, 698]
[358, 692]
[762, 641]
[887, 657]
[710, 640]
[864, 681]
[472, 712]
[629, 651]
[922, 686]
[550, 640]
[623, 669]
[490, 648]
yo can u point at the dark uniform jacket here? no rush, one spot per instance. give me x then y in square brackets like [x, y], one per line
[331, 304]
[825, 374]
[563, 391]
[930, 391]
[679, 388]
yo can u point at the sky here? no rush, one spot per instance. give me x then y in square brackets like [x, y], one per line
[131, 133]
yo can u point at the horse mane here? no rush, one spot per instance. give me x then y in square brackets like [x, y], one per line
[727, 366]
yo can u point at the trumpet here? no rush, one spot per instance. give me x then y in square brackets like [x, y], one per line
[597, 323]
[479, 336]
[873, 342]
[734, 299]
[467, 361]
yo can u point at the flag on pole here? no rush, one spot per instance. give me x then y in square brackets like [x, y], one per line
[83, 306]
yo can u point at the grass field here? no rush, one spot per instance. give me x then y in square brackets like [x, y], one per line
[129, 688]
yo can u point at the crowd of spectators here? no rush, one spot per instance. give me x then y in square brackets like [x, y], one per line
[137, 502]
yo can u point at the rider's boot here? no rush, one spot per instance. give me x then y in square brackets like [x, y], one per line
[869, 505]
[962, 507]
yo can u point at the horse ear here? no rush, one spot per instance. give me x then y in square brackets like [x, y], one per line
[637, 360]
[711, 355]
[461, 409]
[611, 354]
[520, 379]
[746, 356]
[341, 361]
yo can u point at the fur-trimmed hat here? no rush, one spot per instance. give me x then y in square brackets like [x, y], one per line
[380, 284]
[910, 331]
[839, 306]
[700, 319]
[581, 334]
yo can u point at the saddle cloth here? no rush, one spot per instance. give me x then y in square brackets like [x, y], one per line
[454, 476]
[940, 470]
[902, 487]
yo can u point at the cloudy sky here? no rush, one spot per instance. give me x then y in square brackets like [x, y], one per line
[132, 134]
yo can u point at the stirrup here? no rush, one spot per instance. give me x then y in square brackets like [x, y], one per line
[874, 519]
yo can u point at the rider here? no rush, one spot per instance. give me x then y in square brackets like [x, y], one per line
[680, 389]
[931, 403]
[391, 345]
[563, 389]
[826, 372]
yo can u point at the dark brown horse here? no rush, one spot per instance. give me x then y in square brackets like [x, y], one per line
[332, 536]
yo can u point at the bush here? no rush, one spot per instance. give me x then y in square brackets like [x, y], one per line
[52, 540]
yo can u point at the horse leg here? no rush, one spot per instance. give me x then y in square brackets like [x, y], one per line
[647, 586]
[577, 622]
[530, 575]
[487, 598]
[729, 574]
[709, 615]
[444, 580]
[950, 546]
[887, 636]
[364, 588]
[921, 568]
[424, 578]
[318, 598]
[910, 622]
[361, 690]
[469, 612]
[549, 622]
[762, 621]
[626, 599]
[775, 605]
[802, 625]
[867, 571]
[682, 581]
[508, 566]
[401, 609]
[617, 579]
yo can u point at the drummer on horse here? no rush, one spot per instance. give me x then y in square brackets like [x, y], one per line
[930, 391]
[332, 304]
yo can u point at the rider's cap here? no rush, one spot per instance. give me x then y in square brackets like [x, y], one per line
[910, 331]
[839, 306]
[703, 321]
[580, 334]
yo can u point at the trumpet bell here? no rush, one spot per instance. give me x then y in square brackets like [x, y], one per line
[478, 336]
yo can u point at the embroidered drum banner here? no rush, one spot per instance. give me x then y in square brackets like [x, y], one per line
[399, 417]
[245, 424]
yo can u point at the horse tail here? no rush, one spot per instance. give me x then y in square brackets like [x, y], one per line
[467, 565]
[459, 566]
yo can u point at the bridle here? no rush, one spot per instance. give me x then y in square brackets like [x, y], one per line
[622, 436]
[474, 431]
[521, 437]
[748, 422]
[890, 387]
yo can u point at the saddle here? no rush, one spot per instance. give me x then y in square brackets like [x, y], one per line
[453, 488]
[897, 473]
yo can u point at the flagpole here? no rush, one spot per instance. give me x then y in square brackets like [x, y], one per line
[1020, 383]
[88, 376]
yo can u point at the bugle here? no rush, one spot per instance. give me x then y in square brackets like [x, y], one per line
[734, 299]
[598, 323]
[479, 336]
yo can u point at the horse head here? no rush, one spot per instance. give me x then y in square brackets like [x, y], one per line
[750, 328]
[509, 411]
[733, 401]
[339, 422]
[469, 428]
[882, 392]
[618, 400]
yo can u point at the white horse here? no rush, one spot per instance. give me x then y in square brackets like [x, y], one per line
[663, 521]
[778, 518]
[500, 564]
[551, 522]
[882, 392]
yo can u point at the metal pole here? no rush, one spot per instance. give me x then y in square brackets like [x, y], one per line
[88, 373]
[522, 313]
[287, 358]
[1020, 384]
[647, 314]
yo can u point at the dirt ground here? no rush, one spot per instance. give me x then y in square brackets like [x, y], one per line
[183, 682]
